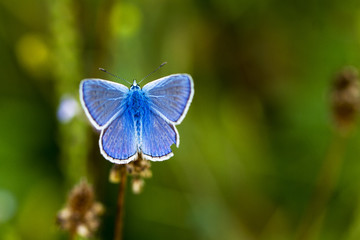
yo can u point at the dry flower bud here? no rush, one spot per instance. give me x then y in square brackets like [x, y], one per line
[98, 208]
[147, 173]
[114, 176]
[83, 231]
[346, 98]
[137, 185]
[140, 167]
[139, 170]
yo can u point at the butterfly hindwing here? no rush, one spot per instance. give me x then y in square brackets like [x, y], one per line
[157, 137]
[118, 142]
[171, 96]
[102, 100]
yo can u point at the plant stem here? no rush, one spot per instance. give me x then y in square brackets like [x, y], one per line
[72, 235]
[326, 182]
[120, 204]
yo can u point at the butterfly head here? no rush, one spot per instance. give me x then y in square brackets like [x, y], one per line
[135, 86]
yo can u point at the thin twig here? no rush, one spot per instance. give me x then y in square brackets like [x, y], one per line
[120, 204]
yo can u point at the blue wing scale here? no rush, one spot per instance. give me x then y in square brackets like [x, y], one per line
[157, 137]
[171, 96]
[102, 100]
[118, 142]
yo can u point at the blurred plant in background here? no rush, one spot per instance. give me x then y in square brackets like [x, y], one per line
[81, 213]
[257, 145]
[346, 99]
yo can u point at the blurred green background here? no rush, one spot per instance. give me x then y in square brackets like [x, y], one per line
[255, 145]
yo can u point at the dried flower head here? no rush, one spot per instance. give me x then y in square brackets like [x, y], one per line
[138, 169]
[346, 98]
[81, 213]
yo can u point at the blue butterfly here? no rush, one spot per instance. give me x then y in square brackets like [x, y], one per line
[137, 121]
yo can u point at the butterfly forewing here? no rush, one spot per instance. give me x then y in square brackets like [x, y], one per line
[171, 96]
[102, 100]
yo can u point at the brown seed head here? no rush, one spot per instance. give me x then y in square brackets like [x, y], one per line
[138, 170]
[81, 198]
[346, 98]
[81, 213]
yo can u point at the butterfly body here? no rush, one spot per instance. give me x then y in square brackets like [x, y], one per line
[137, 120]
[136, 102]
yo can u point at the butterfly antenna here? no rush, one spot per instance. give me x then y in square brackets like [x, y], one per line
[101, 69]
[153, 71]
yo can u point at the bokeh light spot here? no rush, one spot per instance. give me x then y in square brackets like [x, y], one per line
[32, 52]
[125, 19]
[68, 108]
